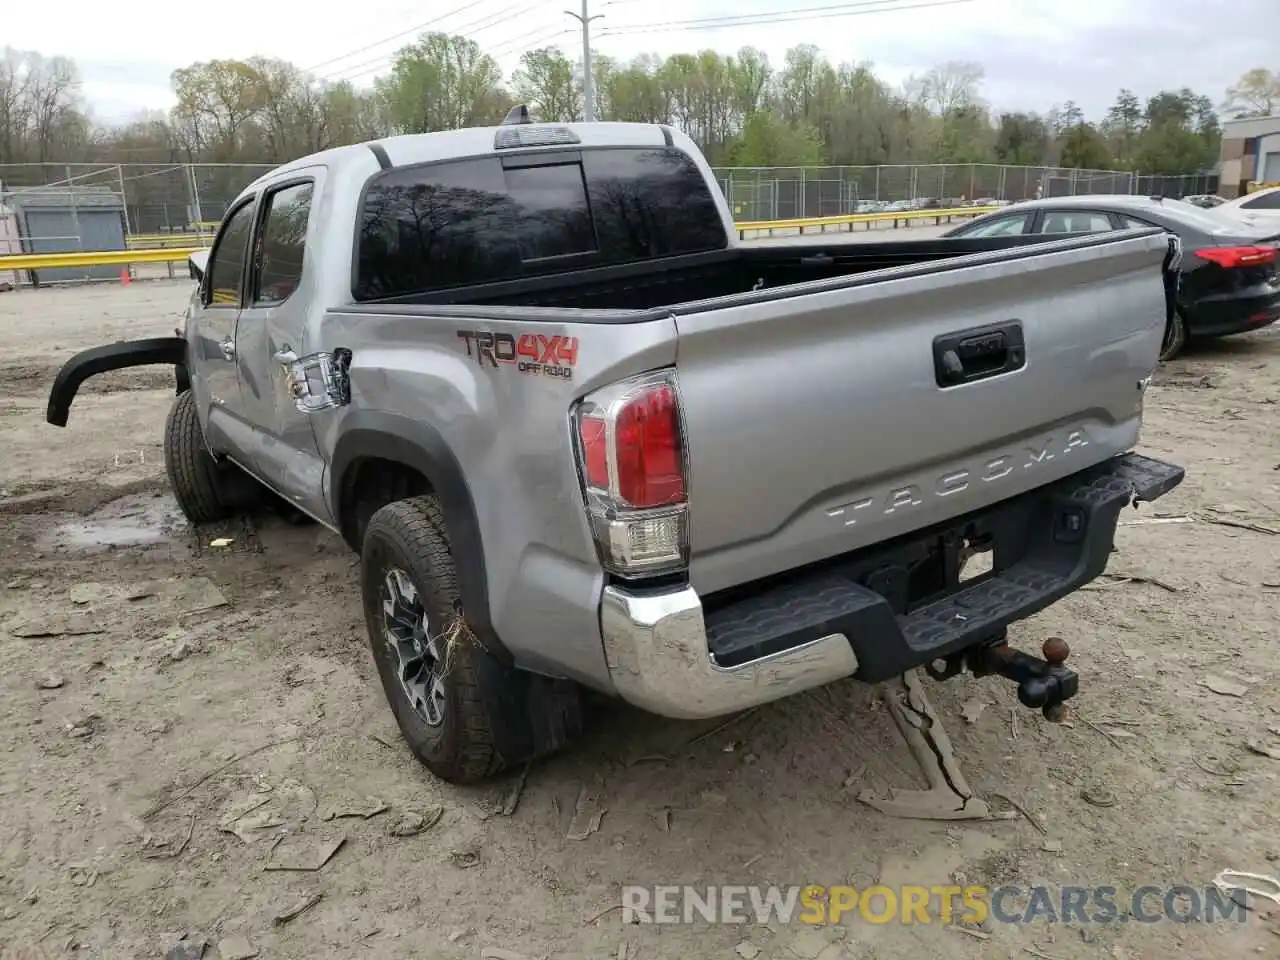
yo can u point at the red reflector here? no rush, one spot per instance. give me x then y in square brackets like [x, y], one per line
[650, 471]
[595, 453]
[1230, 257]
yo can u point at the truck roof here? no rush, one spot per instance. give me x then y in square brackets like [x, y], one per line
[414, 148]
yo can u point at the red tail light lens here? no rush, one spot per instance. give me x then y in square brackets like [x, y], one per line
[632, 460]
[1233, 257]
[595, 452]
[650, 472]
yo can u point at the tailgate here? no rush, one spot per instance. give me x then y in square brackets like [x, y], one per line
[815, 418]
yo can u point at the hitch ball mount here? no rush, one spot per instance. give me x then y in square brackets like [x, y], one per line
[1043, 684]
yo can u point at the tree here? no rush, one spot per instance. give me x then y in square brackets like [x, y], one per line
[807, 110]
[442, 82]
[547, 83]
[1022, 139]
[1085, 148]
[769, 141]
[1255, 94]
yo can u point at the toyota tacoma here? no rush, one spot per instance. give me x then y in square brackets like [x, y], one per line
[583, 437]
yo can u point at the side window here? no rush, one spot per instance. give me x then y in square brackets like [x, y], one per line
[1132, 224]
[1000, 227]
[226, 261]
[284, 236]
[1267, 201]
[1071, 221]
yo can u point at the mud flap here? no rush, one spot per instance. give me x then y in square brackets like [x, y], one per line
[114, 356]
[531, 716]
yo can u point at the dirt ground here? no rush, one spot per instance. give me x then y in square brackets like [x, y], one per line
[170, 707]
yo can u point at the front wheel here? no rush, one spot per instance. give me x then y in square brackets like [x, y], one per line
[1175, 337]
[206, 491]
[465, 715]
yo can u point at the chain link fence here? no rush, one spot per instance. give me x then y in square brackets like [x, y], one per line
[789, 193]
[156, 200]
[153, 198]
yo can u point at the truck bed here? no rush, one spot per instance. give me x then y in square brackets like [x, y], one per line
[670, 282]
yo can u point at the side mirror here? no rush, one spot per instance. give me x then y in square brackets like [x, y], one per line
[196, 264]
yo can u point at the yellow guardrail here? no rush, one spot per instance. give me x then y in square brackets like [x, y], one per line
[92, 258]
[884, 216]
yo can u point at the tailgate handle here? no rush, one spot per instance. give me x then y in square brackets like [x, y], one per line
[970, 355]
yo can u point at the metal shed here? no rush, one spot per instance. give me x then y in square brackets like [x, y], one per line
[68, 220]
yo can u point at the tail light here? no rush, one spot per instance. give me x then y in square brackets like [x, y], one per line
[1232, 257]
[631, 452]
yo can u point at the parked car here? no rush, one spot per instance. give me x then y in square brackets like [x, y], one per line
[1261, 207]
[1228, 281]
[581, 436]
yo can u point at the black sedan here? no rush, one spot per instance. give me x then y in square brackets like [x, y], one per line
[1229, 282]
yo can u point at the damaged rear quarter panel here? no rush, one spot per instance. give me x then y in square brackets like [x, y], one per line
[509, 432]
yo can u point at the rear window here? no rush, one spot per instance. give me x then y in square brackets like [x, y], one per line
[476, 221]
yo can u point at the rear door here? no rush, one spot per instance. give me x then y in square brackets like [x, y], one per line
[214, 316]
[824, 421]
[270, 341]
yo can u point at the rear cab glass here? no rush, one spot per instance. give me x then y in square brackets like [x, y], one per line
[499, 218]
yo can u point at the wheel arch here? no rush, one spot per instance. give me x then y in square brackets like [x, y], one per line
[377, 437]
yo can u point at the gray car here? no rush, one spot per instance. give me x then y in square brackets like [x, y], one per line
[582, 437]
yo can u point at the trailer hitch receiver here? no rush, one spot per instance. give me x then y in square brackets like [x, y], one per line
[1042, 684]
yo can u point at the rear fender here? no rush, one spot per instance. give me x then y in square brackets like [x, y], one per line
[114, 356]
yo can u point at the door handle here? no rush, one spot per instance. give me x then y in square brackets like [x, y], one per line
[228, 348]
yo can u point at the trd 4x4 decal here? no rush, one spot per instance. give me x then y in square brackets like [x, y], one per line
[534, 353]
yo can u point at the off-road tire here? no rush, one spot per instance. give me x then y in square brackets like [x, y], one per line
[410, 535]
[1175, 337]
[199, 483]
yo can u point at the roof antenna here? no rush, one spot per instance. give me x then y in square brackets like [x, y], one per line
[516, 115]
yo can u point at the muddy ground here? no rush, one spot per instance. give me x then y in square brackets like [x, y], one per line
[153, 687]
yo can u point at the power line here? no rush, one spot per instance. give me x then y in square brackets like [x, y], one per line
[395, 36]
[860, 9]
[467, 30]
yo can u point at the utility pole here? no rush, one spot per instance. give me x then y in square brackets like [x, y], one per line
[588, 84]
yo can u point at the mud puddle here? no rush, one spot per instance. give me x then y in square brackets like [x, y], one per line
[135, 520]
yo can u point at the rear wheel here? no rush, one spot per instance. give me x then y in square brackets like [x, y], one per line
[465, 715]
[1175, 337]
[205, 490]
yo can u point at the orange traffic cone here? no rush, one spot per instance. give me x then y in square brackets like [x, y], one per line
[126, 278]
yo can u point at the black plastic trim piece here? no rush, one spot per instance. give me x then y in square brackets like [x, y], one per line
[379, 151]
[1048, 543]
[418, 445]
[113, 356]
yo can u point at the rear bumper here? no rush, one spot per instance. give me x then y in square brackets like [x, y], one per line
[1222, 318]
[669, 655]
[113, 356]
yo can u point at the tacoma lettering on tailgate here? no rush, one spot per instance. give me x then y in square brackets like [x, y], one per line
[1029, 457]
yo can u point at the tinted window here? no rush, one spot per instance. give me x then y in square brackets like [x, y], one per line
[1266, 201]
[999, 227]
[465, 222]
[553, 219]
[1073, 221]
[284, 236]
[226, 262]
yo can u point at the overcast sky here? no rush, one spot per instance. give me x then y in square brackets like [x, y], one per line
[1036, 53]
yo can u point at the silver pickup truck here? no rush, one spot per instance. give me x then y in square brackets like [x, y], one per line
[582, 437]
